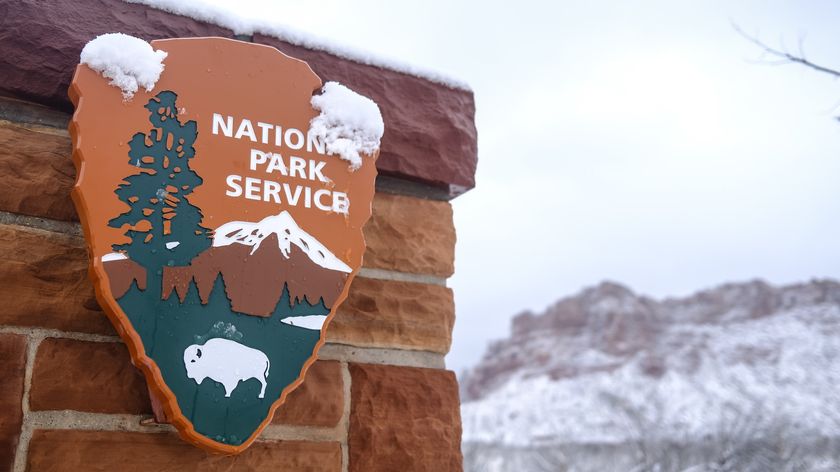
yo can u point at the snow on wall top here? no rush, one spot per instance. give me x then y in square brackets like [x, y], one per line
[241, 25]
[349, 124]
[129, 62]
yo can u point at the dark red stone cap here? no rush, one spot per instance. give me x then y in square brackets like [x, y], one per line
[430, 134]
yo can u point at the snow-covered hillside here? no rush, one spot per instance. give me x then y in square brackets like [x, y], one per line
[608, 367]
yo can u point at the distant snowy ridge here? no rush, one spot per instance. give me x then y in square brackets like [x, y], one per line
[607, 366]
[779, 369]
[243, 25]
[349, 124]
[287, 231]
[129, 62]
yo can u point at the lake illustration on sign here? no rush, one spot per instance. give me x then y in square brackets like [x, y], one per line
[224, 228]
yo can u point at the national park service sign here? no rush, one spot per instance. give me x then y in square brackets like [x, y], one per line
[223, 215]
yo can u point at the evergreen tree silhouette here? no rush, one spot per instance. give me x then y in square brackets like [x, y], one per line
[164, 227]
[297, 307]
[218, 296]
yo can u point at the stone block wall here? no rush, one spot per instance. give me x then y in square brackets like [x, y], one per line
[379, 397]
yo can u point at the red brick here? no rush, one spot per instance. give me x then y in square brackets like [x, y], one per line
[44, 282]
[404, 419]
[87, 376]
[54, 450]
[318, 401]
[390, 314]
[12, 372]
[37, 172]
[410, 235]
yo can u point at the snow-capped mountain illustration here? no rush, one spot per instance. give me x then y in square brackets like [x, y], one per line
[607, 378]
[287, 231]
[258, 263]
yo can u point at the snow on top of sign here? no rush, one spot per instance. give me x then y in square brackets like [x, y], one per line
[129, 62]
[226, 18]
[349, 124]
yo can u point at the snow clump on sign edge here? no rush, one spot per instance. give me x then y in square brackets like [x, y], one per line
[349, 124]
[129, 62]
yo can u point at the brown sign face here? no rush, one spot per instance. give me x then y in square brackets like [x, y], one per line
[222, 235]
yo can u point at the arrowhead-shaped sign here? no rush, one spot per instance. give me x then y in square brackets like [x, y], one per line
[224, 224]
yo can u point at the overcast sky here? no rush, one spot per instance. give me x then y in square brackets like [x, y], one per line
[639, 142]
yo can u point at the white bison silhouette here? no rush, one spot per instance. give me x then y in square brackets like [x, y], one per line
[226, 362]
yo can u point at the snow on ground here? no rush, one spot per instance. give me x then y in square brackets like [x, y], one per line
[756, 373]
[349, 124]
[129, 62]
[256, 23]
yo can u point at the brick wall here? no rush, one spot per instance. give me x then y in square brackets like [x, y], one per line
[379, 397]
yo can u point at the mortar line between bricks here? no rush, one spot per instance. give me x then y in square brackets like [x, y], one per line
[75, 229]
[22, 450]
[384, 274]
[72, 228]
[344, 424]
[55, 333]
[330, 351]
[22, 112]
[87, 421]
[385, 356]
[36, 127]
[284, 432]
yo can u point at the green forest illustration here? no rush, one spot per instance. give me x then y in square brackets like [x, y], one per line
[164, 230]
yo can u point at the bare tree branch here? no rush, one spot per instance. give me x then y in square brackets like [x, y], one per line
[785, 56]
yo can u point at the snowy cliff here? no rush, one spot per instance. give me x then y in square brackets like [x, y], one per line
[609, 367]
